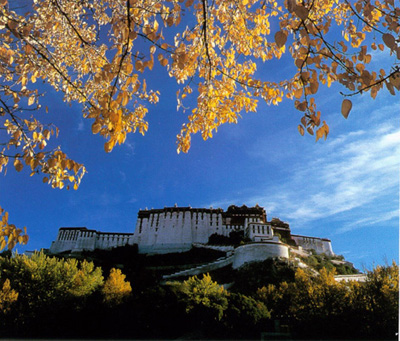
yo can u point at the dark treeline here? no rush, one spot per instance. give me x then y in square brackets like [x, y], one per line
[48, 297]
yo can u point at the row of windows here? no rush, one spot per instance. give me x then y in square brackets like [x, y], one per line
[114, 238]
[261, 229]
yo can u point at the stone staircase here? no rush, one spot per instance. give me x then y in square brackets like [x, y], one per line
[217, 264]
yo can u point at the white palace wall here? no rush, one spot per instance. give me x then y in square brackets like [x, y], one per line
[254, 252]
[177, 229]
[320, 245]
[164, 231]
[77, 239]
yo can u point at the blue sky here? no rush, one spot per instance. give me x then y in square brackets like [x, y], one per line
[345, 188]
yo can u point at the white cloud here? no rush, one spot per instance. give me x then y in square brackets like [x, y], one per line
[348, 173]
[370, 220]
[355, 173]
[130, 147]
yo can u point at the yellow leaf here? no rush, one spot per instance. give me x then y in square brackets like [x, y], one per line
[96, 127]
[300, 129]
[3, 243]
[108, 146]
[125, 99]
[31, 100]
[346, 107]
[139, 65]
[129, 68]
[298, 92]
[18, 165]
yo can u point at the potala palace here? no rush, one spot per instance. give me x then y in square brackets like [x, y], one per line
[178, 229]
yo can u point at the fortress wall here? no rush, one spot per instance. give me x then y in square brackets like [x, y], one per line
[66, 240]
[258, 252]
[80, 239]
[175, 230]
[164, 232]
[86, 241]
[320, 245]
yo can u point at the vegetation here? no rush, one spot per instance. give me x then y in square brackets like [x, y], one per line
[116, 289]
[319, 262]
[252, 276]
[100, 53]
[320, 307]
[47, 297]
[235, 238]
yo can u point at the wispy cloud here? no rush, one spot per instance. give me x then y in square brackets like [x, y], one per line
[354, 173]
[370, 220]
[129, 147]
[350, 172]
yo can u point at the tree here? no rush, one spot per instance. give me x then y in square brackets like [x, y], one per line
[203, 297]
[320, 307]
[7, 297]
[376, 303]
[98, 53]
[115, 288]
[49, 290]
[41, 280]
[245, 317]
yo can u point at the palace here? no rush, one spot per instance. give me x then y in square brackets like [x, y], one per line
[178, 229]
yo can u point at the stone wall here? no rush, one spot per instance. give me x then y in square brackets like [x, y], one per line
[320, 245]
[259, 252]
[175, 229]
[77, 239]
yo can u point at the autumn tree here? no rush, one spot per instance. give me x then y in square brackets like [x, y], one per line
[320, 307]
[41, 280]
[7, 297]
[99, 53]
[116, 288]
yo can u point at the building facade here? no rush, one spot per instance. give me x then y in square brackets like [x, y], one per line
[176, 229]
[78, 239]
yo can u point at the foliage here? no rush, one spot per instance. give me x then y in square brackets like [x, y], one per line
[55, 302]
[235, 238]
[252, 276]
[7, 297]
[320, 307]
[203, 297]
[245, 317]
[377, 302]
[10, 235]
[99, 53]
[115, 288]
[318, 262]
[41, 280]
